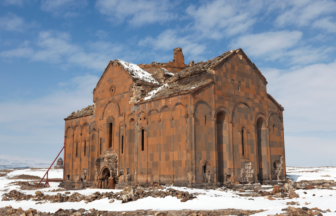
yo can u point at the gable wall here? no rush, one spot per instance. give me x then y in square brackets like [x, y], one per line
[241, 95]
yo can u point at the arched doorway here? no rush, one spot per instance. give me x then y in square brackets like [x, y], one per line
[221, 145]
[105, 178]
[262, 149]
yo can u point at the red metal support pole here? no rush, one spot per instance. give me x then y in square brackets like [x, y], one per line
[50, 167]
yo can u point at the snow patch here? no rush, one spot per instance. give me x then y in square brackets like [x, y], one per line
[165, 71]
[136, 72]
[207, 200]
[153, 92]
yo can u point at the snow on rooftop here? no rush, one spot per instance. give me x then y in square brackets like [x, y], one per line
[153, 92]
[136, 72]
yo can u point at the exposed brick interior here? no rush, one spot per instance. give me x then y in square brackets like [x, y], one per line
[206, 122]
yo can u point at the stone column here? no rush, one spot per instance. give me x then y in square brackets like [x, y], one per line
[232, 150]
[269, 154]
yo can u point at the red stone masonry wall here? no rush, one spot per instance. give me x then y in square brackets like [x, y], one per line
[229, 130]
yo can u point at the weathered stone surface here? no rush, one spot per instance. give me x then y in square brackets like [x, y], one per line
[151, 116]
[93, 212]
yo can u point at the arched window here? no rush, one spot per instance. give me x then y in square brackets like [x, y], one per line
[122, 144]
[273, 128]
[84, 147]
[242, 141]
[100, 146]
[110, 135]
[142, 140]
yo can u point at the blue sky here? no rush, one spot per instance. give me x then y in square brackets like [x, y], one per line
[53, 52]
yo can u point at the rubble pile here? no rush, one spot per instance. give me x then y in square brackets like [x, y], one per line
[286, 190]
[128, 194]
[200, 67]
[304, 211]
[9, 210]
[28, 185]
[319, 184]
[89, 110]
[176, 88]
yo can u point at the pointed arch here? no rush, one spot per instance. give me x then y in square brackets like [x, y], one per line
[115, 103]
[205, 103]
[129, 117]
[225, 110]
[67, 132]
[165, 108]
[272, 114]
[260, 115]
[179, 104]
[152, 111]
[93, 127]
[142, 112]
[77, 133]
[236, 106]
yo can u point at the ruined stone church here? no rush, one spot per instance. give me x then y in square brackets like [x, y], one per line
[190, 125]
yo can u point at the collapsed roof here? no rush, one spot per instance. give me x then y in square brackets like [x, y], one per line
[165, 84]
[87, 111]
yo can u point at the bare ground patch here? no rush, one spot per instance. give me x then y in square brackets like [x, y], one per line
[25, 177]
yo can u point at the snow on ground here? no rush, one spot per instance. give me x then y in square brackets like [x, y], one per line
[311, 173]
[54, 173]
[208, 200]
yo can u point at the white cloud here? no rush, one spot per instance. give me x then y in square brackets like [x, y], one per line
[137, 12]
[13, 2]
[307, 55]
[267, 42]
[169, 39]
[12, 22]
[325, 24]
[56, 47]
[101, 34]
[282, 46]
[40, 121]
[302, 12]
[65, 8]
[220, 18]
[308, 96]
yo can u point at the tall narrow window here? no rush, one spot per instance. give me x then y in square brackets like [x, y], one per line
[273, 128]
[100, 145]
[205, 119]
[142, 140]
[110, 135]
[84, 147]
[77, 149]
[122, 144]
[242, 140]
